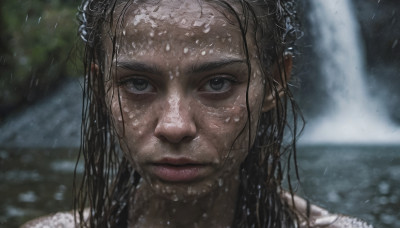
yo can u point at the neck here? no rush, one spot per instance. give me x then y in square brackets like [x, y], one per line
[215, 209]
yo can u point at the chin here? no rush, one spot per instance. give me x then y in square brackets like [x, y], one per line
[181, 192]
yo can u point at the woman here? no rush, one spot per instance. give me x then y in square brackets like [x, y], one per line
[194, 93]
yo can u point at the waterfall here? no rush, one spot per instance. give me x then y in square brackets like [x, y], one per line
[356, 117]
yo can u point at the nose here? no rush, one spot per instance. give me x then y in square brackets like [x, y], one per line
[176, 123]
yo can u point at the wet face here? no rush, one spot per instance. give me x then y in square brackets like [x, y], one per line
[177, 96]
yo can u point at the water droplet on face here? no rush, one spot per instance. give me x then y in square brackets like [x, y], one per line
[131, 116]
[203, 53]
[197, 41]
[151, 33]
[227, 119]
[211, 51]
[236, 119]
[183, 21]
[167, 47]
[220, 182]
[123, 32]
[120, 118]
[206, 28]
[185, 50]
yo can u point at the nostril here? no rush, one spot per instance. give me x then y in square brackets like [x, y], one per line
[175, 132]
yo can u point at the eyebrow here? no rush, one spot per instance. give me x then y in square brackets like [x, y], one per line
[139, 67]
[195, 69]
[213, 65]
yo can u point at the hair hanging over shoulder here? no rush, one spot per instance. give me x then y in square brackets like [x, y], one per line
[109, 181]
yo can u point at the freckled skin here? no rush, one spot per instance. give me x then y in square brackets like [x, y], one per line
[179, 116]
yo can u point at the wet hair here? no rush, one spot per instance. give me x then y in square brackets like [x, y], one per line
[109, 180]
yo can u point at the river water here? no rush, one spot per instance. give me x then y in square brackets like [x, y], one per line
[355, 180]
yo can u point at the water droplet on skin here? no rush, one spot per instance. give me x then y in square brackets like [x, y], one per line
[151, 34]
[171, 76]
[133, 45]
[198, 23]
[197, 41]
[227, 119]
[130, 116]
[206, 28]
[211, 51]
[185, 50]
[203, 53]
[123, 32]
[125, 109]
[120, 118]
[183, 21]
[236, 119]
[167, 47]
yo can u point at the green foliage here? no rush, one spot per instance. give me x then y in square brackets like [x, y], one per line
[36, 48]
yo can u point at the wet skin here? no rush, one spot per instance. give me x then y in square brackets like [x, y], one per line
[177, 96]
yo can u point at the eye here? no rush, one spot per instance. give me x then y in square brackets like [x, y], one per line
[217, 84]
[137, 85]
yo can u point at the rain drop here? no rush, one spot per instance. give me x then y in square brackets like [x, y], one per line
[203, 53]
[185, 50]
[236, 119]
[167, 47]
[124, 32]
[175, 198]
[395, 43]
[151, 34]
[227, 119]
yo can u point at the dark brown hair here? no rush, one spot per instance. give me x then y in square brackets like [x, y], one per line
[109, 180]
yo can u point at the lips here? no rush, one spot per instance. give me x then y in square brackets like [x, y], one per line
[178, 170]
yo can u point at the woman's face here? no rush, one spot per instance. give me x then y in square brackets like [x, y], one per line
[178, 95]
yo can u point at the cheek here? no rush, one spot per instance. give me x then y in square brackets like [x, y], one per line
[132, 123]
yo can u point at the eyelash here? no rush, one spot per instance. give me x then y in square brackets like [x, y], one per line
[131, 85]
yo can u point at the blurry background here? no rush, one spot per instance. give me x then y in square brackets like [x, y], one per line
[40, 92]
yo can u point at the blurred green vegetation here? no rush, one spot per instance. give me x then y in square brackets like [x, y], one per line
[37, 49]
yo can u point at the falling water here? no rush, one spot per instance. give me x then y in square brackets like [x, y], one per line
[356, 117]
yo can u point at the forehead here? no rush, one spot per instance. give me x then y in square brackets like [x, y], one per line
[191, 22]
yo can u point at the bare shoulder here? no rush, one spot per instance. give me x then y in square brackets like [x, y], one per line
[60, 219]
[316, 216]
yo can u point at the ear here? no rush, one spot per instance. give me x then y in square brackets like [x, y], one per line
[281, 72]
